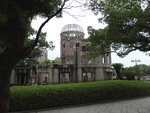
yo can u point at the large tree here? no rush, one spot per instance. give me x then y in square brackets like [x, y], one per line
[128, 23]
[15, 22]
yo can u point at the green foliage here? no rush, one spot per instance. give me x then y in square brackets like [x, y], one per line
[128, 23]
[49, 62]
[40, 97]
[138, 70]
[32, 58]
[118, 68]
[15, 25]
[144, 69]
[99, 43]
[129, 73]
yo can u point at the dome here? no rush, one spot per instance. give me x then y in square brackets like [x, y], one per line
[72, 27]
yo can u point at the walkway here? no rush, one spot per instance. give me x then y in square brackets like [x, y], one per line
[141, 105]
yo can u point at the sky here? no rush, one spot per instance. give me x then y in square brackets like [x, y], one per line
[84, 19]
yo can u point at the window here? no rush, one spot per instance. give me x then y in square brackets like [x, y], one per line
[72, 35]
[64, 45]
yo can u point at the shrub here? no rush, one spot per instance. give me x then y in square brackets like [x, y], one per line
[129, 73]
[46, 96]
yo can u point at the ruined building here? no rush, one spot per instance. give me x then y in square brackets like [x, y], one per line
[75, 66]
[74, 52]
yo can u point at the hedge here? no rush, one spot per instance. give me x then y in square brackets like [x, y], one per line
[40, 97]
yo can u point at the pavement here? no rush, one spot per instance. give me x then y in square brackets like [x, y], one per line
[138, 105]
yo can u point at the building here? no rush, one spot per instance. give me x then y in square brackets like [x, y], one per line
[74, 52]
[75, 64]
[44, 55]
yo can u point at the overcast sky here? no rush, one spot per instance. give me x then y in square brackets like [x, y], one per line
[86, 18]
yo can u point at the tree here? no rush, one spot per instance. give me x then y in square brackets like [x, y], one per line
[99, 43]
[138, 70]
[128, 23]
[144, 70]
[118, 67]
[15, 23]
[32, 59]
[129, 73]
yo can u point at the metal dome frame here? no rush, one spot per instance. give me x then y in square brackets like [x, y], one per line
[72, 27]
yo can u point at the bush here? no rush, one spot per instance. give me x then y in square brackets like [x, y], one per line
[129, 73]
[40, 97]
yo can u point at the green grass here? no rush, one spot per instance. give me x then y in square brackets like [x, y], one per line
[46, 96]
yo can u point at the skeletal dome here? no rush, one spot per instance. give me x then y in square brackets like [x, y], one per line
[72, 27]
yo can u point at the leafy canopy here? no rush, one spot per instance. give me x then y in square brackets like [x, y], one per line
[32, 58]
[128, 23]
[99, 43]
[15, 26]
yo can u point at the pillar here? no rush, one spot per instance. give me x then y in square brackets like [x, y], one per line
[50, 74]
[13, 77]
[99, 69]
[55, 75]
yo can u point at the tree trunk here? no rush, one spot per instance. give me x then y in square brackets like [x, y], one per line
[5, 72]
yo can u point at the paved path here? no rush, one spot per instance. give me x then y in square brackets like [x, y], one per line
[141, 105]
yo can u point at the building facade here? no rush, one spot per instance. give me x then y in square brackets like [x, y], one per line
[74, 51]
[75, 66]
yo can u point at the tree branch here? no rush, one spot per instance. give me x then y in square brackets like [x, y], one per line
[45, 22]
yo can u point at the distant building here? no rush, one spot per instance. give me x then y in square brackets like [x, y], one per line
[44, 55]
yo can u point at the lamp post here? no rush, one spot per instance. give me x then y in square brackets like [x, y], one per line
[136, 61]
